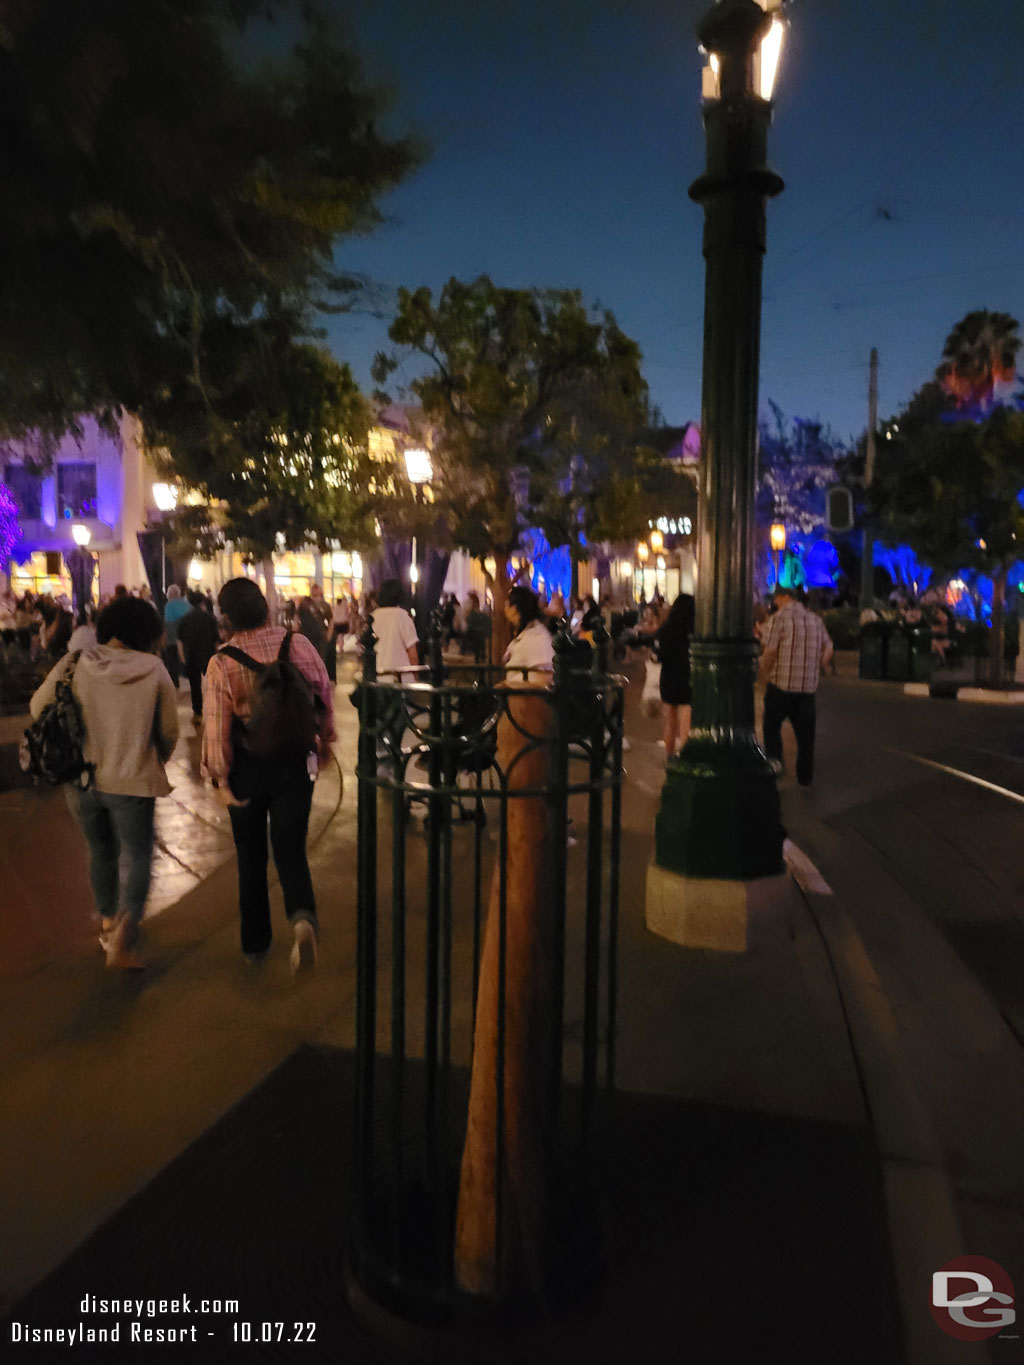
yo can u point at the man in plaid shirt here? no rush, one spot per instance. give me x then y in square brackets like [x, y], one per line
[256, 790]
[795, 648]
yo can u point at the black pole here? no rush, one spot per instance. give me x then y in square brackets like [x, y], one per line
[720, 812]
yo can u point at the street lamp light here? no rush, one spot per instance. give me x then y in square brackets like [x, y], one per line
[720, 817]
[81, 535]
[420, 469]
[778, 539]
[165, 495]
[418, 466]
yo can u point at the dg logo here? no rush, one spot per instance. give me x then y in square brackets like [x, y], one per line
[972, 1298]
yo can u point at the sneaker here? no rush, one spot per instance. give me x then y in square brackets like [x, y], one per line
[255, 959]
[304, 948]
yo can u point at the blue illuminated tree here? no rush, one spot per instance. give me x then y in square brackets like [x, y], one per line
[799, 460]
[10, 527]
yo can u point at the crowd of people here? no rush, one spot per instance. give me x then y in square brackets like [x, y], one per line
[124, 663]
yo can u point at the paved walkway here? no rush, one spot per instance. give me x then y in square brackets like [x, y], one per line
[778, 1187]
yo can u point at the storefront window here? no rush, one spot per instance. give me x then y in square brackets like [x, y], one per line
[43, 572]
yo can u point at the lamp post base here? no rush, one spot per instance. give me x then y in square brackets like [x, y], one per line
[728, 916]
[720, 818]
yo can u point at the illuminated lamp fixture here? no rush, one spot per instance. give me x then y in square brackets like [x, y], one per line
[418, 465]
[80, 534]
[195, 571]
[760, 68]
[414, 573]
[643, 552]
[165, 495]
[657, 542]
[778, 535]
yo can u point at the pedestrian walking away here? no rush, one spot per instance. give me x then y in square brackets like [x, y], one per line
[175, 608]
[795, 648]
[268, 713]
[130, 716]
[198, 638]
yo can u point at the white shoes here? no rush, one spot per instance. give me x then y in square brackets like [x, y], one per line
[304, 953]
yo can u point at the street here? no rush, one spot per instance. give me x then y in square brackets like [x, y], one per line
[926, 865]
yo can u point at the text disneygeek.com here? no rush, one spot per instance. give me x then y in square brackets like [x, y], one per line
[161, 1322]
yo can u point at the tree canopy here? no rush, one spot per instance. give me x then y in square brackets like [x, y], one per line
[162, 191]
[949, 482]
[282, 458]
[798, 461]
[538, 404]
[980, 352]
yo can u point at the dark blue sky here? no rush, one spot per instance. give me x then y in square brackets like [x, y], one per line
[565, 135]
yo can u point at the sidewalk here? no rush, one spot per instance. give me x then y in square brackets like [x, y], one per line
[773, 1187]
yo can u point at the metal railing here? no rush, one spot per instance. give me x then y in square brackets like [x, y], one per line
[482, 1025]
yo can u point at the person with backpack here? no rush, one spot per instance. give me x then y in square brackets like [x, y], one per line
[129, 713]
[268, 713]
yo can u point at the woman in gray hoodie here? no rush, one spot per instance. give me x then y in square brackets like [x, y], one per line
[129, 707]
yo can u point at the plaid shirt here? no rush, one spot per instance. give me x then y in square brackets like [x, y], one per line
[228, 689]
[795, 644]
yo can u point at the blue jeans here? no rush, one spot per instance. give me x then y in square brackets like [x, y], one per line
[118, 833]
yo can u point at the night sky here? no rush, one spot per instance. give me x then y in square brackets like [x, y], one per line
[565, 135]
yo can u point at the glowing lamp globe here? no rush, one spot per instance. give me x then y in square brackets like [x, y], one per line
[418, 465]
[732, 67]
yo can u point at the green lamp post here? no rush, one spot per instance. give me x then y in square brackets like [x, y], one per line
[720, 816]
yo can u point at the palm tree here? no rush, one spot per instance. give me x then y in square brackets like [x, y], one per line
[980, 352]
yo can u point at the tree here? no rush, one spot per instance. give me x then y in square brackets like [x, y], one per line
[156, 186]
[276, 444]
[949, 488]
[538, 404]
[798, 460]
[980, 352]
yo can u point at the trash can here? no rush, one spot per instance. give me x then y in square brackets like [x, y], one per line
[873, 650]
[897, 666]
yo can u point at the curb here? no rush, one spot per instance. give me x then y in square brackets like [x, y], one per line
[924, 1230]
[950, 691]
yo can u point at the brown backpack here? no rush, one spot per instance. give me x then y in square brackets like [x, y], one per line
[285, 710]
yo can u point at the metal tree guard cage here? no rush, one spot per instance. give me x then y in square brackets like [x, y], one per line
[481, 1028]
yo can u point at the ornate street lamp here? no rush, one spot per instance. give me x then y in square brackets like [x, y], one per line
[720, 816]
[81, 565]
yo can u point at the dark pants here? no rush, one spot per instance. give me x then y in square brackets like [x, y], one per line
[196, 668]
[118, 833]
[331, 659]
[281, 795]
[172, 662]
[799, 709]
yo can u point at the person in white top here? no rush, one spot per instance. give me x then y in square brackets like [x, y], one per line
[397, 640]
[532, 646]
